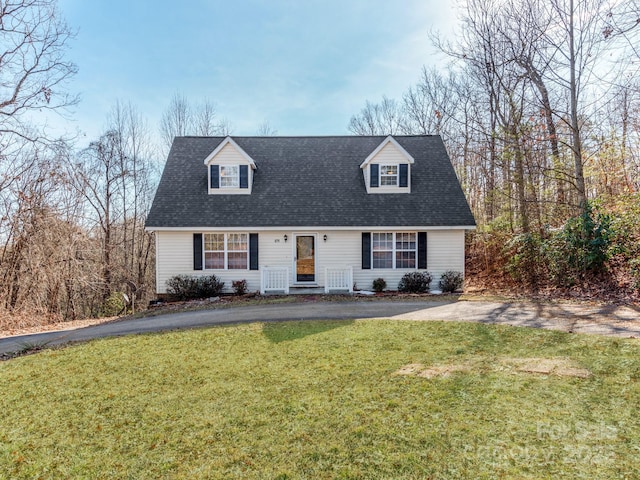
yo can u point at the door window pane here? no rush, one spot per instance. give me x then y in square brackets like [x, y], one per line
[305, 258]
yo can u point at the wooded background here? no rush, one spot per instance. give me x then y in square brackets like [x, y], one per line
[540, 111]
[538, 106]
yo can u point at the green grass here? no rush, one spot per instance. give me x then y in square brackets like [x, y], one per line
[321, 400]
[231, 301]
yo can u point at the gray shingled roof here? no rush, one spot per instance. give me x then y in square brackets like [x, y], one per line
[308, 182]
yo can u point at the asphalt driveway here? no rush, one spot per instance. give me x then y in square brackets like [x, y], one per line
[621, 321]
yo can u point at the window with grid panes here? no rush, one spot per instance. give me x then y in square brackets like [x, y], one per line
[393, 250]
[228, 251]
[388, 175]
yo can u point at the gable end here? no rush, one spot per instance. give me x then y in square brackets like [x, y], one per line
[230, 169]
[388, 168]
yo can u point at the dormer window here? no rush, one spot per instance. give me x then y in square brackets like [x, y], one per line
[229, 176]
[388, 168]
[389, 175]
[230, 169]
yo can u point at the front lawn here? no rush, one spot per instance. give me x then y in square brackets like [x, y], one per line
[363, 399]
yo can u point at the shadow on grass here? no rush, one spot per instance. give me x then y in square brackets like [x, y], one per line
[294, 330]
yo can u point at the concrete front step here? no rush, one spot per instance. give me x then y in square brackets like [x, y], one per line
[306, 290]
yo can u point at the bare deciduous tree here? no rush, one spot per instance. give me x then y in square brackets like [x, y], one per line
[33, 68]
[115, 176]
[384, 118]
[176, 121]
[182, 118]
[205, 120]
[266, 130]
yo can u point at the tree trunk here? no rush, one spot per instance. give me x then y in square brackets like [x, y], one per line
[575, 121]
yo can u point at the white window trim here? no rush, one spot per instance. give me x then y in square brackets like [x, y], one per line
[380, 175]
[230, 190]
[226, 251]
[394, 251]
[237, 176]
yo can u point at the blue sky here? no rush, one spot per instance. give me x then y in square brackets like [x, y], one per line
[304, 66]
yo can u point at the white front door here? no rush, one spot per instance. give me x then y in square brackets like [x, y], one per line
[305, 259]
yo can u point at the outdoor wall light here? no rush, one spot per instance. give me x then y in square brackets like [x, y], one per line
[286, 238]
[324, 238]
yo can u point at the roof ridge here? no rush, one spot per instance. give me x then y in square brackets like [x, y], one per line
[310, 136]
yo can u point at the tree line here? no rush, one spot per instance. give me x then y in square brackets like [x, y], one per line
[539, 108]
[72, 237]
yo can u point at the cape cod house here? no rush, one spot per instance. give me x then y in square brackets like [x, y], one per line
[323, 212]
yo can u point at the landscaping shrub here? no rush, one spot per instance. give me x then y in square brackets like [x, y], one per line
[210, 286]
[634, 266]
[113, 305]
[524, 258]
[583, 245]
[450, 281]
[595, 254]
[587, 240]
[188, 287]
[415, 282]
[239, 287]
[561, 257]
[183, 287]
[379, 285]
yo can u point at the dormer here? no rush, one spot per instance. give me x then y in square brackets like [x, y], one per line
[230, 169]
[388, 168]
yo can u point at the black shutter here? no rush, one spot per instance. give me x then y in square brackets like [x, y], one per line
[404, 175]
[214, 175]
[253, 251]
[374, 167]
[366, 250]
[422, 250]
[244, 176]
[197, 251]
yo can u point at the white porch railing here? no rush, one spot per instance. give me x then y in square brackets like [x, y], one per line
[275, 279]
[338, 278]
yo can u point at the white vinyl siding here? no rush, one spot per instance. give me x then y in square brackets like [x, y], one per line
[174, 256]
[389, 154]
[229, 156]
[445, 251]
[343, 248]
